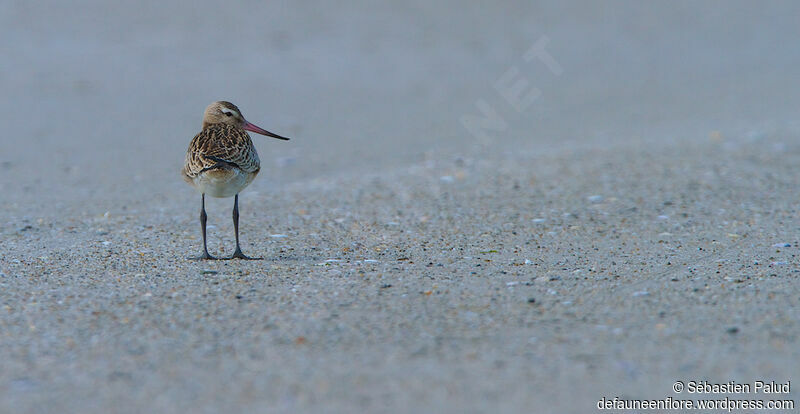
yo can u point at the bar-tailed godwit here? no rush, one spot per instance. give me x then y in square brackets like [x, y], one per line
[222, 161]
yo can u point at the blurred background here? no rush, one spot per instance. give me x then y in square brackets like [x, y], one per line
[100, 95]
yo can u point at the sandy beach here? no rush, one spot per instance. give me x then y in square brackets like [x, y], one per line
[629, 222]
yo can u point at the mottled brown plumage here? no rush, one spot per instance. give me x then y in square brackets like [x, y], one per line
[216, 142]
[222, 161]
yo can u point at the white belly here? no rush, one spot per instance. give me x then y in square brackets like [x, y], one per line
[222, 183]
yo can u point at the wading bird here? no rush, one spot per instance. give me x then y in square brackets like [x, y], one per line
[222, 161]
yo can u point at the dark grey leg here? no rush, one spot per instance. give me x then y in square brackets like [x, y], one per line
[238, 253]
[203, 220]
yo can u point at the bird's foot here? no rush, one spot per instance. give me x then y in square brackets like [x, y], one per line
[239, 255]
[204, 256]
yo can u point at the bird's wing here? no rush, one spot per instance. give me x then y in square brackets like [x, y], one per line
[221, 146]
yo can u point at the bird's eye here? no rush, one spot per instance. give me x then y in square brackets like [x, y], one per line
[228, 113]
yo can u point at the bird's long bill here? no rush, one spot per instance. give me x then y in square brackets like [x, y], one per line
[258, 130]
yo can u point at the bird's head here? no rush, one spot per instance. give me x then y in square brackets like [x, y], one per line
[224, 112]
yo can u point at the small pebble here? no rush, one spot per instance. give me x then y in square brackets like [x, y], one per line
[595, 198]
[531, 300]
[782, 245]
[732, 330]
[641, 293]
[538, 220]
[210, 272]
